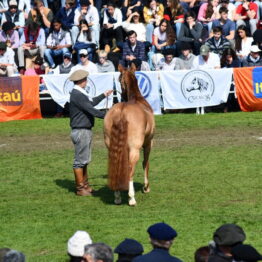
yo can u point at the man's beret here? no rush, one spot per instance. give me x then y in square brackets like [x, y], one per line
[78, 75]
[228, 235]
[129, 247]
[162, 231]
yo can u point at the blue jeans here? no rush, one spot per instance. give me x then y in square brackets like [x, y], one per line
[50, 54]
[149, 32]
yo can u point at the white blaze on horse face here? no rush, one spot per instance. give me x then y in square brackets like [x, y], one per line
[131, 194]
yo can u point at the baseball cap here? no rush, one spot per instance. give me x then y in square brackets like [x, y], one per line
[254, 49]
[204, 50]
[83, 52]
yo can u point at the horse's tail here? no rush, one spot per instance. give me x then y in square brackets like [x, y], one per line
[118, 154]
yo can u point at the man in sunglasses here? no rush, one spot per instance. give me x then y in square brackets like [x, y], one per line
[15, 16]
[85, 64]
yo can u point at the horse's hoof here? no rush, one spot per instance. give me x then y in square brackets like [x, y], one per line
[132, 202]
[146, 190]
[118, 201]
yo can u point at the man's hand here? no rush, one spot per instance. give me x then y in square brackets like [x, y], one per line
[108, 92]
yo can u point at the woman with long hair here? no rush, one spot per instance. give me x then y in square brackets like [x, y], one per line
[208, 12]
[243, 42]
[85, 40]
[174, 13]
[229, 59]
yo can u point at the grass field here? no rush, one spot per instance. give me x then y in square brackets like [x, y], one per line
[205, 171]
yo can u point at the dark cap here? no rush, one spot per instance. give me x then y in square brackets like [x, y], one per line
[129, 247]
[229, 235]
[246, 253]
[162, 231]
[3, 45]
[67, 55]
[8, 26]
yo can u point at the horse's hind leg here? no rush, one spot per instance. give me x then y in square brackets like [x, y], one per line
[147, 149]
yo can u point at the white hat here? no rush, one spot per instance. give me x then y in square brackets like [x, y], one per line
[83, 52]
[254, 49]
[77, 243]
[12, 2]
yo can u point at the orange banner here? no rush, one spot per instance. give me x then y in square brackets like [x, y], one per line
[248, 84]
[19, 98]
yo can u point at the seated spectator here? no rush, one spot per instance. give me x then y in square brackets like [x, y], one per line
[229, 59]
[57, 43]
[40, 14]
[66, 14]
[76, 245]
[14, 15]
[90, 14]
[85, 64]
[37, 69]
[14, 255]
[174, 13]
[104, 65]
[66, 66]
[206, 59]
[190, 32]
[32, 43]
[243, 42]
[164, 38]
[246, 14]
[98, 252]
[132, 49]
[208, 13]
[3, 7]
[185, 60]
[245, 253]
[128, 249]
[228, 26]
[169, 63]
[202, 254]
[225, 237]
[111, 27]
[229, 6]
[254, 58]
[9, 35]
[191, 5]
[85, 40]
[7, 63]
[130, 7]
[135, 23]
[153, 13]
[257, 36]
[218, 43]
[161, 238]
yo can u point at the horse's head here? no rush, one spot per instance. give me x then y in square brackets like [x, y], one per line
[127, 76]
[194, 85]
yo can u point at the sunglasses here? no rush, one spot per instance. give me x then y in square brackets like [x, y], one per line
[13, 7]
[83, 55]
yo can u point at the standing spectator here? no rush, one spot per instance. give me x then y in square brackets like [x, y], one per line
[111, 27]
[206, 59]
[85, 40]
[174, 13]
[66, 14]
[128, 249]
[228, 26]
[85, 64]
[153, 13]
[90, 14]
[14, 15]
[41, 15]
[254, 58]
[217, 43]
[58, 42]
[76, 245]
[161, 237]
[7, 63]
[243, 42]
[31, 43]
[98, 252]
[132, 49]
[104, 65]
[185, 60]
[190, 32]
[9, 35]
[246, 14]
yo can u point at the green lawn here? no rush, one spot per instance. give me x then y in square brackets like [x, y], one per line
[204, 171]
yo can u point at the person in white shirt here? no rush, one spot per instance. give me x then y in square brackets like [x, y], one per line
[7, 63]
[206, 59]
[90, 14]
[112, 27]
[85, 64]
[169, 63]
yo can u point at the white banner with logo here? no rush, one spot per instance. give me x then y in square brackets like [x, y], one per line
[148, 84]
[195, 88]
[60, 87]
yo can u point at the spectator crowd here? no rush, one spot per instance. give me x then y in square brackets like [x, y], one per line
[227, 246]
[46, 36]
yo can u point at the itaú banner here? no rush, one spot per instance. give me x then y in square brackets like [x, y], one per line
[195, 88]
[19, 98]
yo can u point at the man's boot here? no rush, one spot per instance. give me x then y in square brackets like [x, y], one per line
[86, 184]
[80, 186]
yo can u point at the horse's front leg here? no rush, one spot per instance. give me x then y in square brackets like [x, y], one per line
[147, 149]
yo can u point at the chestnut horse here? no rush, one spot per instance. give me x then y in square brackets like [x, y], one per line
[128, 126]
